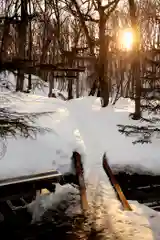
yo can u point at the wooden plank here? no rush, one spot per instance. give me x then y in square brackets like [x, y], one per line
[82, 187]
[30, 178]
[115, 184]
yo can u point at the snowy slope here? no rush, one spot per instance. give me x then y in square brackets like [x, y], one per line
[47, 151]
[82, 125]
[99, 131]
[39, 86]
[78, 124]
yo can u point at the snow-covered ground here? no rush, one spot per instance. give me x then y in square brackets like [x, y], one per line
[40, 87]
[47, 150]
[105, 214]
[81, 124]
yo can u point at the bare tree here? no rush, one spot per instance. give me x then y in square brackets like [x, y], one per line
[103, 12]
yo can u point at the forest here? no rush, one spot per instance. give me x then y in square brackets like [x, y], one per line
[80, 46]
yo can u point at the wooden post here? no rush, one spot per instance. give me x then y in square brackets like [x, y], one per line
[81, 182]
[115, 184]
[77, 85]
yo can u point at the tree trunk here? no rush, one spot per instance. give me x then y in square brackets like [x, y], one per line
[102, 60]
[136, 60]
[51, 83]
[77, 85]
[30, 49]
[5, 43]
[22, 30]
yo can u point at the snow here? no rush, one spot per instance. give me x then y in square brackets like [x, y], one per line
[141, 223]
[66, 196]
[105, 212]
[81, 124]
[99, 131]
[47, 151]
[39, 86]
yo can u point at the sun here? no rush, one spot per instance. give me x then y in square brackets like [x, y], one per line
[126, 40]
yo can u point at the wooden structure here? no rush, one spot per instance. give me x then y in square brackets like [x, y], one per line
[57, 71]
[17, 193]
[69, 74]
[144, 188]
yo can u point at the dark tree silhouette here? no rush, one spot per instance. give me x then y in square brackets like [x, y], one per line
[145, 133]
[14, 124]
[17, 124]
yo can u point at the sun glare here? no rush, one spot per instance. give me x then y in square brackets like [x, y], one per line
[126, 40]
